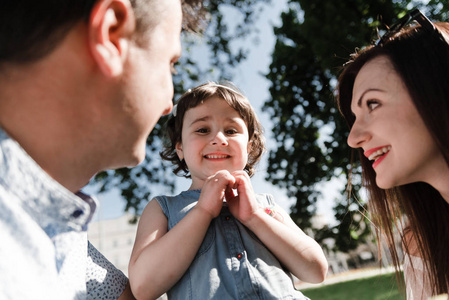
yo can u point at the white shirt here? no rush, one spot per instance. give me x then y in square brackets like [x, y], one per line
[43, 234]
[416, 280]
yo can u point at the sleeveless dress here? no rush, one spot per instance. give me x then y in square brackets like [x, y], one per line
[231, 263]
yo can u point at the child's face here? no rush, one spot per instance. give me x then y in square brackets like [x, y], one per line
[214, 138]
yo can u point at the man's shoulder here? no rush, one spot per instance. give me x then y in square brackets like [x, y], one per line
[27, 253]
[103, 279]
[18, 227]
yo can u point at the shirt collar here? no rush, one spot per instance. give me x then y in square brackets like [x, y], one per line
[44, 199]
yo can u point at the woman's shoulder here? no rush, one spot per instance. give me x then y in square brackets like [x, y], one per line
[410, 243]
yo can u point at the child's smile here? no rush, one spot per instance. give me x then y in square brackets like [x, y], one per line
[214, 138]
[216, 156]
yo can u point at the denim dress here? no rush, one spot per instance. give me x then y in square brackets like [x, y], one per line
[231, 263]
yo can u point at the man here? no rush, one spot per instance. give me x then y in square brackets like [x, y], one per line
[82, 84]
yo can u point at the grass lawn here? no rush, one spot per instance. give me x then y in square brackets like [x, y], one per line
[382, 287]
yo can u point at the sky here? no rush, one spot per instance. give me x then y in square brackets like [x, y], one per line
[249, 78]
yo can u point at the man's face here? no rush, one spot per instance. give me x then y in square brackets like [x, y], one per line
[147, 82]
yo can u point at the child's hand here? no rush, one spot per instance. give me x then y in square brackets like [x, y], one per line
[213, 192]
[293, 248]
[244, 205]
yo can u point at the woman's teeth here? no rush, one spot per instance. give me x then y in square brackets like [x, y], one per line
[376, 155]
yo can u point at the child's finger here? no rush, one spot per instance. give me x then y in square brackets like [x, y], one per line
[242, 181]
[230, 193]
[223, 178]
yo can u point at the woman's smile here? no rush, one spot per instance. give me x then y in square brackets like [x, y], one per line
[377, 155]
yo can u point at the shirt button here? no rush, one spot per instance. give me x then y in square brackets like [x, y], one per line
[77, 213]
[239, 256]
[227, 218]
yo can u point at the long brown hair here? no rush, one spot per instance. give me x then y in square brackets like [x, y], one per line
[421, 58]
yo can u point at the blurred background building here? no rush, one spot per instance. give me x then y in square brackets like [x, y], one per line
[114, 238]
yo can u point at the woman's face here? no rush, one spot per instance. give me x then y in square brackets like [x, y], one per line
[390, 130]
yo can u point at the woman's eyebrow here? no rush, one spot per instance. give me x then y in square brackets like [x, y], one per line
[359, 102]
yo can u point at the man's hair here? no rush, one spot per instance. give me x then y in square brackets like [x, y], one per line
[30, 30]
[195, 97]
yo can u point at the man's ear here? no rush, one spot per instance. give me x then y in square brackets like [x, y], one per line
[111, 26]
[179, 151]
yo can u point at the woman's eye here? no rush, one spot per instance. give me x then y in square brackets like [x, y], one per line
[231, 131]
[372, 104]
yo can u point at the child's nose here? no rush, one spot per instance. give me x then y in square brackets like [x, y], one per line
[219, 139]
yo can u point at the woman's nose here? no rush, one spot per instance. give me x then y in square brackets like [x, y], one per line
[219, 139]
[358, 135]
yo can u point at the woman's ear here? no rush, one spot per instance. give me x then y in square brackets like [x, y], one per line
[111, 27]
[248, 148]
[179, 150]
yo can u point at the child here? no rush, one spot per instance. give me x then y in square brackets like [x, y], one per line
[219, 240]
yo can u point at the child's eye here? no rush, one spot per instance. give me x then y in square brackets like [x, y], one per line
[202, 130]
[231, 131]
[372, 104]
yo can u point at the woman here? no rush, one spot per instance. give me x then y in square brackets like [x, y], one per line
[395, 97]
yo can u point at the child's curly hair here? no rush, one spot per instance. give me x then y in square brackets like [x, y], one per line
[192, 98]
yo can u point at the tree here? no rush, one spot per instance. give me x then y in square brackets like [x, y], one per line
[136, 184]
[313, 42]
